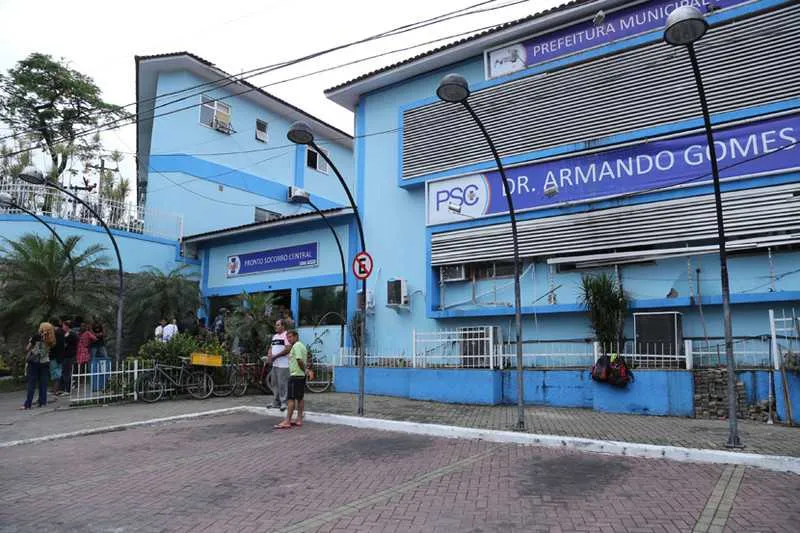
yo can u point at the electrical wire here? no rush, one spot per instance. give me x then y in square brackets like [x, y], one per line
[233, 79]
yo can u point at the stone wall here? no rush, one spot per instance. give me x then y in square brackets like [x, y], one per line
[711, 397]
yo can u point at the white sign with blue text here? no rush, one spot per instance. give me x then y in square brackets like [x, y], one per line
[758, 148]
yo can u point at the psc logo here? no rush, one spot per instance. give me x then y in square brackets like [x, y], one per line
[454, 199]
[458, 196]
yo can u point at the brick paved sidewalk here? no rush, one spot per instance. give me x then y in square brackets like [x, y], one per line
[684, 432]
[236, 474]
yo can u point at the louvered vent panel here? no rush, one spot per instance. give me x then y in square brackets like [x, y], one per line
[746, 63]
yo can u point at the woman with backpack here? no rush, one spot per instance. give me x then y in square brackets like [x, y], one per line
[38, 363]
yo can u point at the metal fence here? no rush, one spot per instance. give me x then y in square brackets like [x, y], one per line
[549, 354]
[747, 353]
[467, 347]
[124, 216]
[105, 380]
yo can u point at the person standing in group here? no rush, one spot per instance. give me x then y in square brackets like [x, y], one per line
[85, 340]
[189, 324]
[57, 356]
[170, 330]
[159, 333]
[279, 349]
[298, 366]
[70, 354]
[38, 363]
[98, 348]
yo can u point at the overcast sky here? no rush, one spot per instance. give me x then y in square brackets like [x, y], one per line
[101, 38]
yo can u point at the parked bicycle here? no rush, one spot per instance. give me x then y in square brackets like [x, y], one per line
[243, 374]
[152, 385]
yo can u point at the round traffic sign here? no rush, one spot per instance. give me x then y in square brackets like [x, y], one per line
[362, 265]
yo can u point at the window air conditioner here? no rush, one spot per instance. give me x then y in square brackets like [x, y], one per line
[222, 126]
[450, 273]
[396, 293]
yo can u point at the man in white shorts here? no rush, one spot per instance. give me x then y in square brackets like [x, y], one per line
[279, 349]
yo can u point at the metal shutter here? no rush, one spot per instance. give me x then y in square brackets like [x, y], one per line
[745, 63]
[753, 218]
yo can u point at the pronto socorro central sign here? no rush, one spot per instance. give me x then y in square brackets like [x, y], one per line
[763, 147]
[617, 25]
[299, 256]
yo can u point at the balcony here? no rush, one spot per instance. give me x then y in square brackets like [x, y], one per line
[122, 216]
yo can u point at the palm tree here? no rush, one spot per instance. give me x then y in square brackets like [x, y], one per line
[607, 304]
[155, 294]
[36, 281]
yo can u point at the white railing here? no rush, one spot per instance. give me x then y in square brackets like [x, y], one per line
[384, 360]
[467, 347]
[549, 354]
[123, 216]
[106, 381]
[747, 353]
[650, 355]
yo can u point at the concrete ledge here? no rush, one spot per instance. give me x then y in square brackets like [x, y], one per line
[778, 463]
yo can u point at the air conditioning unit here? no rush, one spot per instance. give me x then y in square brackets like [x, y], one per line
[222, 125]
[396, 293]
[450, 273]
[477, 344]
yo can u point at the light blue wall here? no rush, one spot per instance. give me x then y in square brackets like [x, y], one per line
[191, 169]
[399, 243]
[138, 251]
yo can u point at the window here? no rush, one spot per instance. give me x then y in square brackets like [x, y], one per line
[215, 114]
[504, 269]
[321, 306]
[263, 215]
[261, 131]
[315, 161]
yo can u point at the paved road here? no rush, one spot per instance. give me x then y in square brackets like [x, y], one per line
[235, 473]
[685, 432]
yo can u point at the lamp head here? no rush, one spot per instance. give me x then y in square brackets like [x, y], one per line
[32, 175]
[685, 25]
[300, 133]
[453, 88]
[6, 200]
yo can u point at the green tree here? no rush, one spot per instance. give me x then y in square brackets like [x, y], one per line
[155, 294]
[55, 106]
[14, 156]
[251, 322]
[607, 304]
[36, 281]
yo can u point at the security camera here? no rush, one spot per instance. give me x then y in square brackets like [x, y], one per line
[298, 195]
[598, 18]
[551, 190]
[454, 207]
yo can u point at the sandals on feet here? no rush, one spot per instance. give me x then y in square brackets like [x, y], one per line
[282, 426]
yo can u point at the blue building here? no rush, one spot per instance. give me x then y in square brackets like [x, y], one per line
[599, 125]
[214, 148]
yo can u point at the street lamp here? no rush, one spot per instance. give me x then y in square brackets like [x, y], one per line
[305, 199]
[686, 25]
[34, 176]
[300, 133]
[6, 200]
[454, 89]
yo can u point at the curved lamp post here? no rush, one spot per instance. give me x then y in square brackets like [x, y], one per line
[34, 176]
[300, 133]
[684, 26]
[299, 199]
[454, 89]
[6, 200]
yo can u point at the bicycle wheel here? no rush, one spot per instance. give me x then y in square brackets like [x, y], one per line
[200, 385]
[226, 379]
[323, 376]
[242, 380]
[149, 388]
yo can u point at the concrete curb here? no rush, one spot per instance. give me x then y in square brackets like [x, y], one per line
[120, 427]
[778, 463]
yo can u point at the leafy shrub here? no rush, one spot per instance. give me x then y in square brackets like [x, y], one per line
[181, 345]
